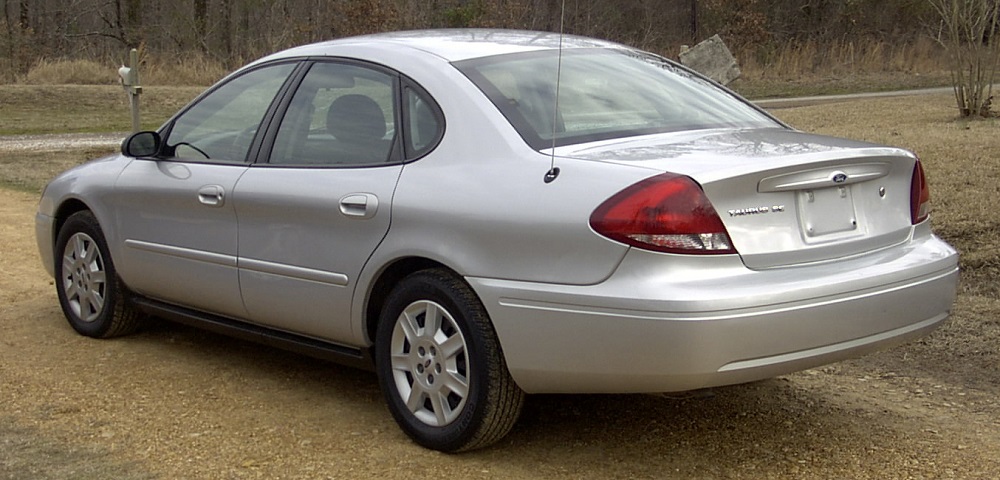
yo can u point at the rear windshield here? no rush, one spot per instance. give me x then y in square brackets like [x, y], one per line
[603, 94]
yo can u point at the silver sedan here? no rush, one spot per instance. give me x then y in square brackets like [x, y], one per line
[481, 214]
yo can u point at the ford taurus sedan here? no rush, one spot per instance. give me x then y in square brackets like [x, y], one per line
[480, 215]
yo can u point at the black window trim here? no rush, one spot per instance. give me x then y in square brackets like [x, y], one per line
[411, 155]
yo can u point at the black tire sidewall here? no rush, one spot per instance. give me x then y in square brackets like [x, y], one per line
[424, 286]
[84, 222]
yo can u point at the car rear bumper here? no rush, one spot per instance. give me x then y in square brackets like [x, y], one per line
[666, 323]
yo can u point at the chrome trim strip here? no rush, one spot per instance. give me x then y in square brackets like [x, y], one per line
[291, 271]
[823, 177]
[300, 273]
[185, 253]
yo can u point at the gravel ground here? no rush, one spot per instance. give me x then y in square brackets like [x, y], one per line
[63, 141]
[173, 402]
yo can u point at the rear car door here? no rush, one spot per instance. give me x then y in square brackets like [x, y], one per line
[313, 213]
[175, 211]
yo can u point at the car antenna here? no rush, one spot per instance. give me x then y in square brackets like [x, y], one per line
[553, 169]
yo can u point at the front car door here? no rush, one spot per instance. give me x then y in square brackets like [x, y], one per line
[176, 212]
[313, 214]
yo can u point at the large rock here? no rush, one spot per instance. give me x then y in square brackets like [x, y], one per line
[713, 59]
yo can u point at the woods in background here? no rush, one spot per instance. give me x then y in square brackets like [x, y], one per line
[231, 32]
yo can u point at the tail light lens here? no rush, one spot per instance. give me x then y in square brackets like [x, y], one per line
[920, 195]
[666, 213]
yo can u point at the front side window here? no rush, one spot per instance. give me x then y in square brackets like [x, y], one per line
[603, 94]
[221, 126]
[341, 115]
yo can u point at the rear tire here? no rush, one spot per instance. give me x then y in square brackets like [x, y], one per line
[440, 365]
[91, 295]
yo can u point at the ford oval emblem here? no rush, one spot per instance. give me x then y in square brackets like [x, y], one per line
[839, 177]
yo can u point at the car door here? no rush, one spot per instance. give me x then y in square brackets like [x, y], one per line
[175, 211]
[313, 214]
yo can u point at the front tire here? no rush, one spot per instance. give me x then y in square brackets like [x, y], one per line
[91, 295]
[440, 365]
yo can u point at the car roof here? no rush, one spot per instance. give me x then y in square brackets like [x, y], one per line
[449, 44]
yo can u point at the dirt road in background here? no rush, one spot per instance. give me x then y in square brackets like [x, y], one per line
[173, 402]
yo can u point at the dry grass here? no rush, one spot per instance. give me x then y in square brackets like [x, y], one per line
[29, 171]
[75, 72]
[189, 70]
[186, 70]
[844, 57]
[804, 68]
[843, 66]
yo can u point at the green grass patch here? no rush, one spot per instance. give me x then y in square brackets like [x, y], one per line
[40, 109]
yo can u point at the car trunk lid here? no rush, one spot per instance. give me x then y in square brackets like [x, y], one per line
[785, 197]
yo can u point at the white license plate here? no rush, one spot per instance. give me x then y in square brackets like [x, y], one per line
[826, 211]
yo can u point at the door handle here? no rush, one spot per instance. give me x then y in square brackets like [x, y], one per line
[359, 205]
[212, 195]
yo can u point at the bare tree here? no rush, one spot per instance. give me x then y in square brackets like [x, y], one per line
[968, 30]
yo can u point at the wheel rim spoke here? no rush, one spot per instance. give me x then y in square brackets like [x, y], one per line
[409, 326]
[432, 321]
[456, 384]
[95, 302]
[415, 400]
[97, 278]
[72, 292]
[453, 346]
[442, 411]
[402, 363]
[90, 253]
[79, 246]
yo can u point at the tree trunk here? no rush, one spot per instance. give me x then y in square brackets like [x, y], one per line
[24, 15]
[200, 25]
[225, 28]
[133, 23]
[694, 22]
[10, 41]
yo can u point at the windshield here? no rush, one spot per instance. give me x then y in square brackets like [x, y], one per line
[604, 94]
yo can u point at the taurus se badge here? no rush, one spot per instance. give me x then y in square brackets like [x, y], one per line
[739, 212]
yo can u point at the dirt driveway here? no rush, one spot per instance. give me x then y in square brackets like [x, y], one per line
[173, 402]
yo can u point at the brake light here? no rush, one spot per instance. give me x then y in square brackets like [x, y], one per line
[666, 213]
[920, 195]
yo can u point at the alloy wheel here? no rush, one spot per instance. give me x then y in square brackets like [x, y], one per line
[84, 280]
[429, 363]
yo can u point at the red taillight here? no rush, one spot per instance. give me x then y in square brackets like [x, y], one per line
[920, 195]
[667, 213]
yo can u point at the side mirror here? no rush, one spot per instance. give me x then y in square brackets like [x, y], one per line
[141, 144]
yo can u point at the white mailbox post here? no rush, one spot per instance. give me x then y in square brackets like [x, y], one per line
[129, 77]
